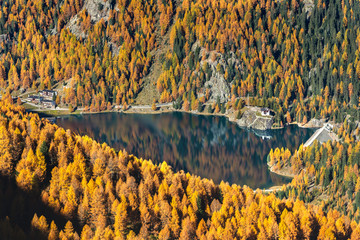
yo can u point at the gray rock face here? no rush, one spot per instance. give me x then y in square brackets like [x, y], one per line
[97, 9]
[247, 119]
[252, 118]
[75, 28]
[308, 7]
[315, 123]
[217, 84]
[218, 87]
[262, 123]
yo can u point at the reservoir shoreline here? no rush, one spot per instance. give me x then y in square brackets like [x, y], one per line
[231, 115]
[164, 110]
[206, 145]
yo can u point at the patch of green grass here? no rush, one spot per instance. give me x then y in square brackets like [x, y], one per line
[56, 112]
[28, 106]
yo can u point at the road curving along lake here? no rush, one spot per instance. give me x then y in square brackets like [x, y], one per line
[207, 146]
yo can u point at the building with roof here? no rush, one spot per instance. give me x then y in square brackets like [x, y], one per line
[48, 94]
[265, 112]
[34, 99]
[48, 104]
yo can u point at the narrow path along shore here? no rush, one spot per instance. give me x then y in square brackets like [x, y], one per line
[160, 105]
[272, 189]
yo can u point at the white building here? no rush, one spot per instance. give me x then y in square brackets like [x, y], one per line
[265, 112]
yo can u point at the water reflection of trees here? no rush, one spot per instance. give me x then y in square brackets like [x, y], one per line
[207, 146]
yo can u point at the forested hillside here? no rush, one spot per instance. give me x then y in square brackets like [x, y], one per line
[56, 184]
[326, 174]
[301, 58]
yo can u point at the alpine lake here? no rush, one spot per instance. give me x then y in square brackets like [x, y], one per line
[207, 146]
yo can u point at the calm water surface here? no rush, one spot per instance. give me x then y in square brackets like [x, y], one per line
[207, 146]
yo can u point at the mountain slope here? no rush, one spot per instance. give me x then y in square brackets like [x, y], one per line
[280, 53]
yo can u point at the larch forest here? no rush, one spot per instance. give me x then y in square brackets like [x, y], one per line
[299, 58]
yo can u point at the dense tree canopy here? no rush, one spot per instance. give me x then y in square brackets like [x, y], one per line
[300, 58]
[325, 173]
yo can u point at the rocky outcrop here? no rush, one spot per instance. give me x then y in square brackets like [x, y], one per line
[74, 27]
[262, 123]
[308, 7]
[314, 123]
[252, 118]
[97, 9]
[218, 87]
[247, 118]
[217, 84]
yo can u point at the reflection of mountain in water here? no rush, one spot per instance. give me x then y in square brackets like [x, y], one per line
[207, 146]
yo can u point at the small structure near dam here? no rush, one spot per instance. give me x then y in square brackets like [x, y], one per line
[322, 135]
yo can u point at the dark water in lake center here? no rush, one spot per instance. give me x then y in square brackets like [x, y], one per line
[207, 146]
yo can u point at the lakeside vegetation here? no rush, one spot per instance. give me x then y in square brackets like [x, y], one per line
[325, 174]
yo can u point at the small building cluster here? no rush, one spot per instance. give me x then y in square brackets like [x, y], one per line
[48, 94]
[266, 112]
[44, 99]
[329, 127]
[34, 99]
